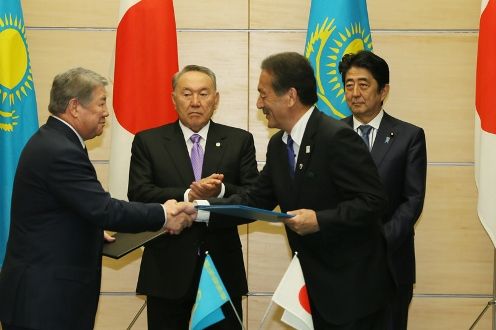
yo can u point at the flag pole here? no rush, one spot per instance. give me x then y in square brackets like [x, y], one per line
[494, 291]
[236, 313]
[491, 302]
[265, 315]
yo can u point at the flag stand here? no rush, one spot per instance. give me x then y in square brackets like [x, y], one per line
[144, 305]
[237, 315]
[265, 316]
[136, 316]
[491, 302]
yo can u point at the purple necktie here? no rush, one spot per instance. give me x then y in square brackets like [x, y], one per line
[196, 156]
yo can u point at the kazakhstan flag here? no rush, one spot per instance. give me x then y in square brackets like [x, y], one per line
[212, 294]
[18, 117]
[335, 28]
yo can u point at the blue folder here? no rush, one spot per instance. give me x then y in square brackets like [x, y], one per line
[246, 212]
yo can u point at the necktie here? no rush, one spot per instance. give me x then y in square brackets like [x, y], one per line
[365, 131]
[291, 155]
[196, 156]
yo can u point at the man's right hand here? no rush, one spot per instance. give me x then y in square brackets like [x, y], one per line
[180, 215]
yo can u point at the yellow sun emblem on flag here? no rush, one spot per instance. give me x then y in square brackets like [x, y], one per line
[325, 48]
[16, 80]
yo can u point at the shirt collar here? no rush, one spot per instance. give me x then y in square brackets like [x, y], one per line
[375, 123]
[72, 128]
[187, 132]
[299, 128]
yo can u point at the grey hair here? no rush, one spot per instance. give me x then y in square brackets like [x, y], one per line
[192, 67]
[76, 83]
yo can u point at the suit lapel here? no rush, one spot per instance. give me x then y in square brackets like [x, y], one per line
[306, 149]
[214, 149]
[179, 153]
[384, 139]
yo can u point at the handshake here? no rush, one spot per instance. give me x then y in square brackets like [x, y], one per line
[180, 215]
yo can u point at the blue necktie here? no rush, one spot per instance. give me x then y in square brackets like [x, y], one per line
[291, 155]
[196, 156]
[365, 131]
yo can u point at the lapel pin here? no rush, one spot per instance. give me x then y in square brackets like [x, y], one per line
[300, 166]
[391, 135]
[217, 144]
[307, 150]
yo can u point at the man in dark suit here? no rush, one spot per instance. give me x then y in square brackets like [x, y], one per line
[52, 270]
[399, 151]
[161, 169]
[319, 170]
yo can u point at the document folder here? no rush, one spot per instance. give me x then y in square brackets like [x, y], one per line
[126, 242]
[246, 212]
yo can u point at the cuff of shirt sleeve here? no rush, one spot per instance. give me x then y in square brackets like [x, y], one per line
[222, 191]
[202, 216]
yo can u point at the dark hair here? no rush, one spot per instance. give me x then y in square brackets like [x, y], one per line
[75, 83]
[291, 69]
[366, 60]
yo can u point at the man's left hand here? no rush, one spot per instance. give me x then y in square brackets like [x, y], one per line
[303, 223]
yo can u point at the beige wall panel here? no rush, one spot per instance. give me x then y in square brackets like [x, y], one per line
[117, 312]
[55, 51]
[263, 44]
[432, 85]
[71, 13]
[205, 14]
[257, 307]
[424, 14]
[224, 14]
[121, 275]
[226, 54]
[454, 253]
[268, 256]
[279, 14]
[447, 313]
[102, 173]
[383, 14]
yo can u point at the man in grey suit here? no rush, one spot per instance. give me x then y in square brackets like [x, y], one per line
[399, 151]
[165, 164]
[52, 271]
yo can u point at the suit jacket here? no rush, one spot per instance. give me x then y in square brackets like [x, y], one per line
[344, 264]
[51, 274]
[160, 170]
[399, 151]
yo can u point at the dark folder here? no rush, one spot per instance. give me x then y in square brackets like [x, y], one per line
[125, 243]
[247, 212]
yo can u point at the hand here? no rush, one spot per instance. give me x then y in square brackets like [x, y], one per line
[179, 216]
[107, 237]
[304, 222]
[206, 187]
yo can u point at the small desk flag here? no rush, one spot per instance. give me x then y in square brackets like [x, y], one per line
[18, 116]
[210, 297]
[291, 294]
[335, 28]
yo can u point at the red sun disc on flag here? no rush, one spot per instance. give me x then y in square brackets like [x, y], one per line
[303, 299]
